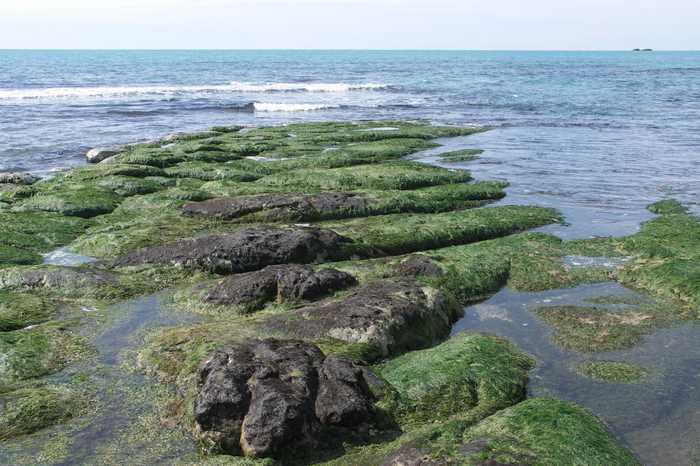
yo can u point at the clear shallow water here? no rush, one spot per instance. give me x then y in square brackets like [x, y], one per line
[659, 419]
[597, 134]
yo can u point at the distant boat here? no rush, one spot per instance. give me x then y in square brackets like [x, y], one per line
[642, 50]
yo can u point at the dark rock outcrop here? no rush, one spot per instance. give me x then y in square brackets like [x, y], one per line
[244, 250]
[279, 207]
[267, 397]
[393, 315]
[417, 265]
[277, 282]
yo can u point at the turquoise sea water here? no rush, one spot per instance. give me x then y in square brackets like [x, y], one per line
[597, 134]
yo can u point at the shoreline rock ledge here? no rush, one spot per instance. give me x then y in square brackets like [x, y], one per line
[99, 154]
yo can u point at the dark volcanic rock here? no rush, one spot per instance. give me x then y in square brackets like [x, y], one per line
[244, 250]
[344, 396]
[417, 265]
[281, 282]
[278, 207]
[265, 397]
[394, 315]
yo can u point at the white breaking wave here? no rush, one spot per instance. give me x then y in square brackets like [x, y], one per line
[272, 107]
[125, 91]
[304, 87]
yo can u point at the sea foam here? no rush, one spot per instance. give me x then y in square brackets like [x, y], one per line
[127, 91]
[276, 107]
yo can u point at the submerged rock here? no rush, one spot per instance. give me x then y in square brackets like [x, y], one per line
[393, 315]
[19, 178]
[99, 154]
[279, 206]
[281, 282]
[244, 250]
[265, 397]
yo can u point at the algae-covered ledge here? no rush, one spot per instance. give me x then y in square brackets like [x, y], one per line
[321, 273]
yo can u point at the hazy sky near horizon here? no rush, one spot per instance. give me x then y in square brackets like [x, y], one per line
[357, 24]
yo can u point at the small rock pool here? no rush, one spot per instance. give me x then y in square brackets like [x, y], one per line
[658, 418]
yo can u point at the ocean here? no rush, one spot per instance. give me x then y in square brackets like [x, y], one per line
[596, 134]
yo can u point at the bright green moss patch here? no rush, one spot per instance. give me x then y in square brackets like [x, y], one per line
[403, 233]
[27, 234]
[212, 171]
[30, 353]
[19, 310]
[543, 432]
[468, 373]
[612, 371]
[28, 410]
[391, 175]
[465, 155]
[79, 201]
[668, 207]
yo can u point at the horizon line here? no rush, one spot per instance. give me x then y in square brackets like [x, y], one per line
[340, 49]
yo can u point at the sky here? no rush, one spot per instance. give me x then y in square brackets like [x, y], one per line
[351, 24]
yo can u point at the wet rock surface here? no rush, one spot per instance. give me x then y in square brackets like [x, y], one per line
[266, 396]
[99, 154]
[19, 178]
[244, 250]
[418, 265]
[394, 315]
[277, 282]
[279, 206]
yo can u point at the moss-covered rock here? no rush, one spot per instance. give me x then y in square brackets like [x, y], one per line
[404, 233]
[469, 373]
[28, 410]
[78, 201]
[38, 351]
[666, 253]
[19, 310]
[28, 234]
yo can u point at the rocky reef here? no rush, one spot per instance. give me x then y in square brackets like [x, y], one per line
[313, 277]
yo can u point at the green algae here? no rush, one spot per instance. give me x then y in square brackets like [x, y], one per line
[546, 432]
[468, 373]
[612, 371]
[79, 201]
[402, 175]
[19, 310]
[28, 234]
[403, 233]
[465, 155]
[38, 351]
[28, 410]
[666, 255]
[668, 207]
[595, 329]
